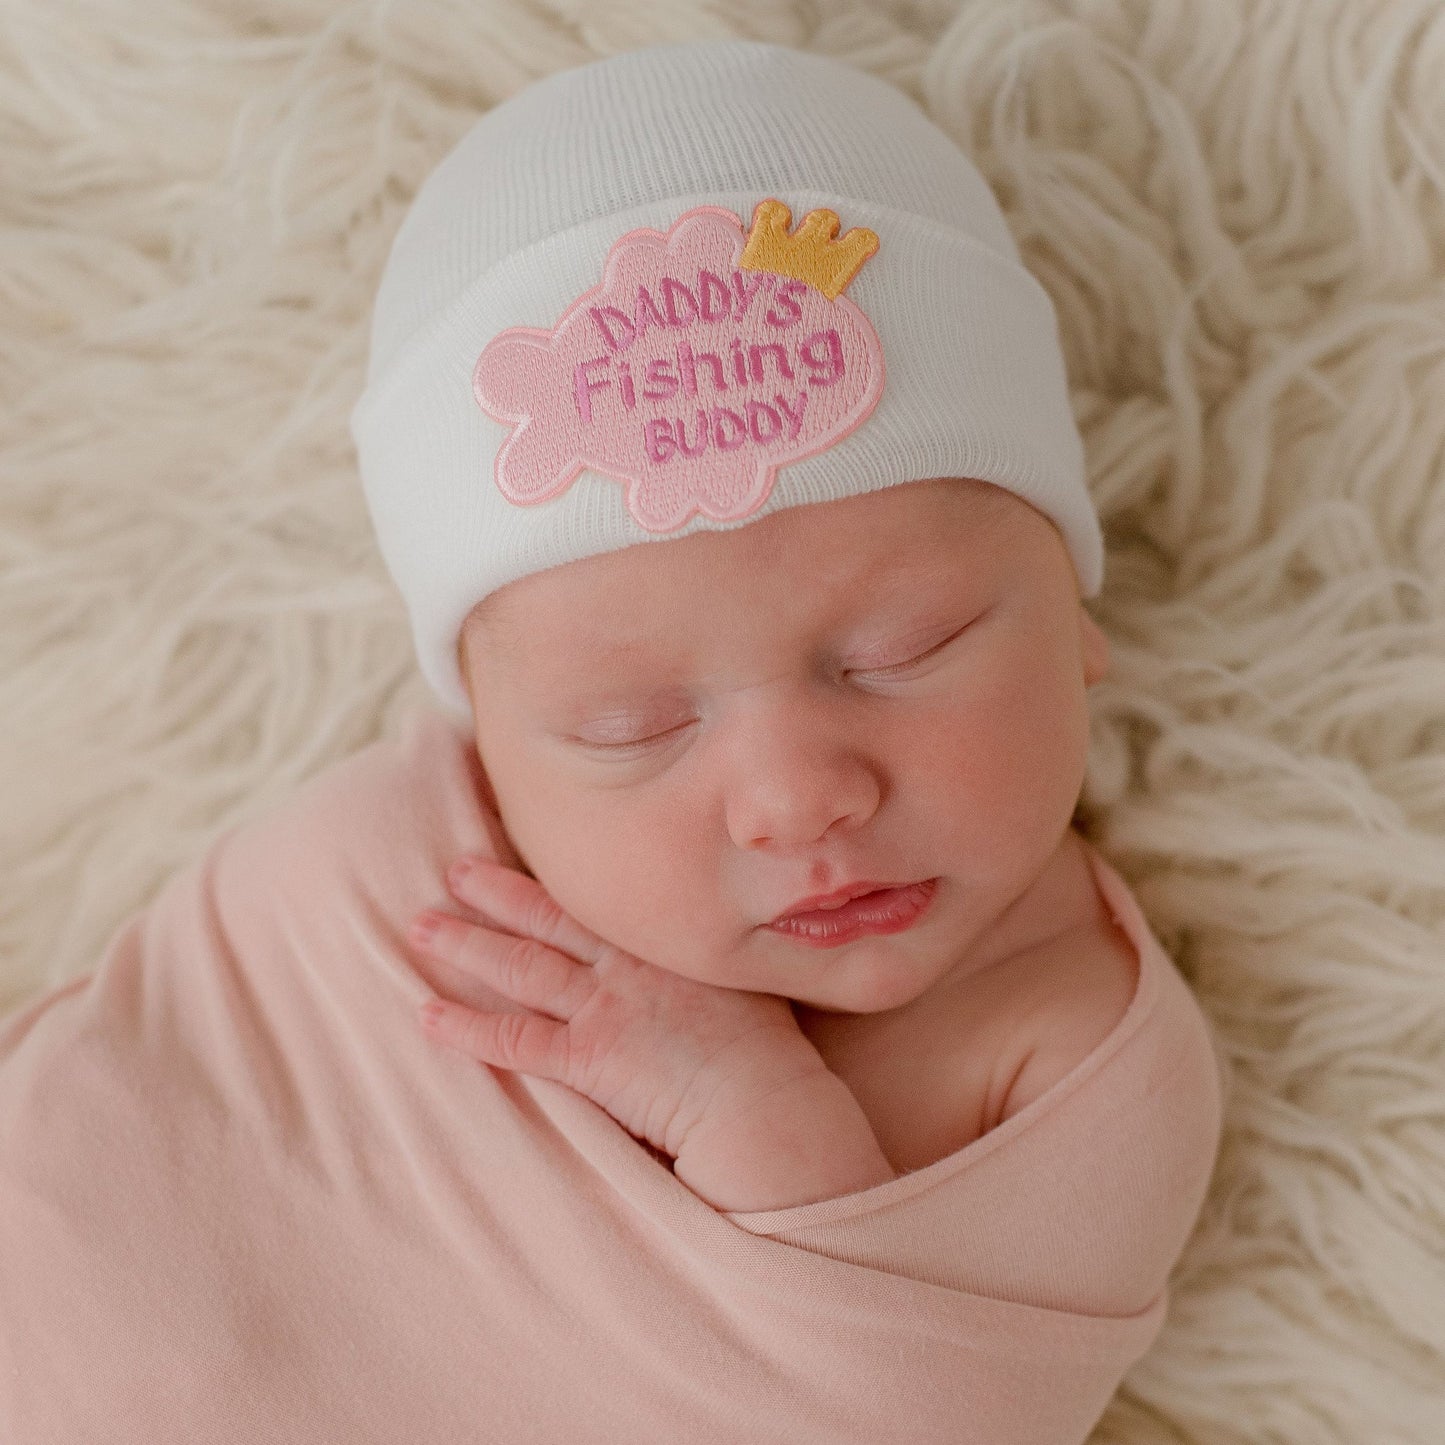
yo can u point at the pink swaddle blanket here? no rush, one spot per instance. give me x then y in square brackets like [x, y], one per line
[244, 1198]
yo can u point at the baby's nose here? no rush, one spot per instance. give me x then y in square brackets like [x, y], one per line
[792, 791]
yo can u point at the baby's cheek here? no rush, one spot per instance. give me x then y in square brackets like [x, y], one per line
[681, 930]
[606, 892]
[672, 937]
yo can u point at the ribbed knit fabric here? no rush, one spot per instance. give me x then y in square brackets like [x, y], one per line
[516, 224]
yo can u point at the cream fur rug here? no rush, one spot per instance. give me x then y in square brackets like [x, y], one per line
[1239, 209]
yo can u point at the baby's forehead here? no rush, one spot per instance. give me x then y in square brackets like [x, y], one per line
[836, 555]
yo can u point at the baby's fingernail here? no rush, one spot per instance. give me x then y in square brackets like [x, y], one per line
[424, 928]
[431, 1012]
[460, 869]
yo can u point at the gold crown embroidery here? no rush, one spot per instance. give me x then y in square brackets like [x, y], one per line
[811, 254]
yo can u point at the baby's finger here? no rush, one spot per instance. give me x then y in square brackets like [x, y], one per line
[436, 968]
[522, 969]
[522, 906]
[523, 1042]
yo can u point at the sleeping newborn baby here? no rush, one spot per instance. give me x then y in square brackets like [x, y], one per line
[793, 1069]
[830, 758]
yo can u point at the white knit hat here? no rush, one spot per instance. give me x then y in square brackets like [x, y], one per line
[616, 313]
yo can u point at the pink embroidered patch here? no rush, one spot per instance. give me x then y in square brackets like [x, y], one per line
[702, 362]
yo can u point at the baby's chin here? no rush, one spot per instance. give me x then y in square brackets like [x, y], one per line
[860, 985]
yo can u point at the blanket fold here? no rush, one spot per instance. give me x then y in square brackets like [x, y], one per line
[243, 1198]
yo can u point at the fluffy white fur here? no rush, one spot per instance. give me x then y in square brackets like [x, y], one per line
[1239, 209]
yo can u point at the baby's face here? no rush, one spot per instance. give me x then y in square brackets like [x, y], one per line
[684, 739]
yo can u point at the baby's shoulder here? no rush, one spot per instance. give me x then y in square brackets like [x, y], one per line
[1075, 989]
[943, 1079]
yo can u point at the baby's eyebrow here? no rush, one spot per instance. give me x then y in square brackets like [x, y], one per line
[881, 580]
[497, 627]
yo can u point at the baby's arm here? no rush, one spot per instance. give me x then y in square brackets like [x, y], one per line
[808, 1141]
[722, 1080]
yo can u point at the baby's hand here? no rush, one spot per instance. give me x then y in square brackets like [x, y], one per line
[657, 1051]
